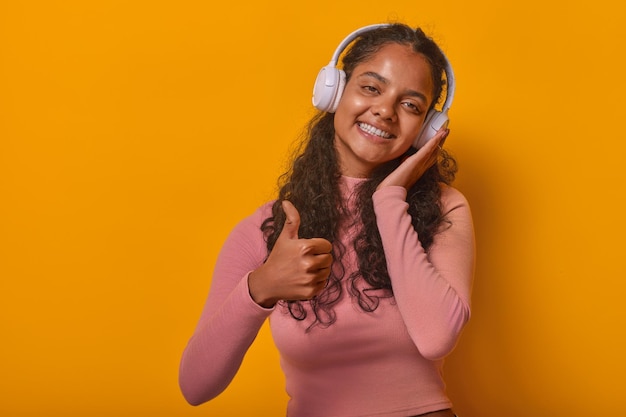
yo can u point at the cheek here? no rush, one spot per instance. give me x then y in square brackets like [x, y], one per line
[343, 115]
[401, 150]
[415, 128]
[350, 102]
[412, 132]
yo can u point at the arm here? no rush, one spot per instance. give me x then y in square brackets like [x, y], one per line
[432, 289]
[244, 290]
[230, 320]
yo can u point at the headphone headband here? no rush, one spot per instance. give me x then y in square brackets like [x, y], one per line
[344, 43]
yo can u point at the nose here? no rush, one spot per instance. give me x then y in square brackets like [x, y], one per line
[384, 108]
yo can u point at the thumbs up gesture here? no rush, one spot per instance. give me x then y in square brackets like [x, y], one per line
[296, 269]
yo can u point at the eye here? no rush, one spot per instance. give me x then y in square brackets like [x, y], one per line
[412, 107]
[370, 89]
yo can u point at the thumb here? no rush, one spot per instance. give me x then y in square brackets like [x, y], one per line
[292, 220]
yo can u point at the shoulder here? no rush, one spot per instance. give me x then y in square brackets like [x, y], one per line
[246, 239]
[256, 218]
[452, 198]
[455, 207]
[263, 212]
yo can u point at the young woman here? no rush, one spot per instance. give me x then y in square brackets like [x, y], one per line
[364, 262]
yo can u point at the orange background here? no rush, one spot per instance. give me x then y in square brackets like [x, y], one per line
[134, 135]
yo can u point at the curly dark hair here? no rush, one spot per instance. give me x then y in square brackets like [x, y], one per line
[319, 200]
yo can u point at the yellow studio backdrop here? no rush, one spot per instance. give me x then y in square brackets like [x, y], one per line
[135, 135]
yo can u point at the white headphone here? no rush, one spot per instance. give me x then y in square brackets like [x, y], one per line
[331, 81]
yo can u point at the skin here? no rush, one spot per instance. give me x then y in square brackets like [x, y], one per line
[383, 95]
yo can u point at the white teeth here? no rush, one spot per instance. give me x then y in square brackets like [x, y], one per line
[374, 131]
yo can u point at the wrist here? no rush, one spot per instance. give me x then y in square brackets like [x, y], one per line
[257, 292]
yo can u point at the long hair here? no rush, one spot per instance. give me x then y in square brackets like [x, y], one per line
[319, 200]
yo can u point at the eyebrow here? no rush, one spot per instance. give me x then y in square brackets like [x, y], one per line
[384, 80]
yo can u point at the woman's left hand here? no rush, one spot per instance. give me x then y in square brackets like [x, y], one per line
[413, 167]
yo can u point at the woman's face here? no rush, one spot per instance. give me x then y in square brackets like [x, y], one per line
[382, 109]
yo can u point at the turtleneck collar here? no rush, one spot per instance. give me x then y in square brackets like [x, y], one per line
[350, 182]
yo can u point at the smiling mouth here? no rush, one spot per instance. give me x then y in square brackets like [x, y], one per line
[374, 131]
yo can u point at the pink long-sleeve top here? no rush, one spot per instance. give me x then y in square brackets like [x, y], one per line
[386, 363]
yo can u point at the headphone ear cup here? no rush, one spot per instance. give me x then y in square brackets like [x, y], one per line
[328, 88]
[434, 121]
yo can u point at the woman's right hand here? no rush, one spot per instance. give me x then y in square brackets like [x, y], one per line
[296, 269]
